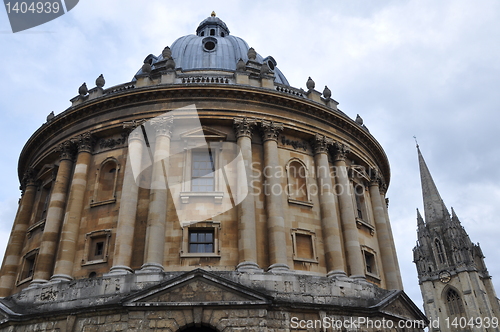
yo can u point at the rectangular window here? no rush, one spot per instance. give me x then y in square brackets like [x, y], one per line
[99, 250]
[304, 246]
[303, 242]
[28, 267]
[370, 263]
[96, 247]
[202, 171]
[201, 241]
[359, 196]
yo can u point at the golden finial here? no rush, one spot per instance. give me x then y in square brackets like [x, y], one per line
[213, 14]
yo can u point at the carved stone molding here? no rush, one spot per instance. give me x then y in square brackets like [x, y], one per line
[243, 127]
[321, 144]
[110, 143]
[271, 130]
[66, 150]
[162, 125]
[341, 151]
[85, 142]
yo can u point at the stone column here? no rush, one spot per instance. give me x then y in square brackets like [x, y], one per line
[354, 258]
[155, 233]
[334, 257]
[384, 241]
[273, 192]
[18, 235]
[63, 269]
[55, 215]
[128, 203]
[247, 237]
[385, 202]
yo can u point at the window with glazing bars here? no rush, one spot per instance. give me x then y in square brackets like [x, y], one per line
[202, 171]
[201, 241]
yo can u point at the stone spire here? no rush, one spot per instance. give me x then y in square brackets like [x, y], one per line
[434, 209]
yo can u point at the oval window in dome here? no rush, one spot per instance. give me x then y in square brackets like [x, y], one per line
[209, 44]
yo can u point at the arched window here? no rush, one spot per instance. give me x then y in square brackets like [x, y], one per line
[439, 251]
[105, 189]
[454, 303]
[297, 181]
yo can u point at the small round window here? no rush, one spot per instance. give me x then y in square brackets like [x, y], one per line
[209, 44]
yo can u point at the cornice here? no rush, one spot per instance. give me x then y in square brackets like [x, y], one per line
[191, 93]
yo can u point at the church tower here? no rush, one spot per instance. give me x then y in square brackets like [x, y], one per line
[453, 278]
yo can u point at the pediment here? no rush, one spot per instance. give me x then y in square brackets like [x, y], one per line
[399, 305]
[197, 287]
[204, 132]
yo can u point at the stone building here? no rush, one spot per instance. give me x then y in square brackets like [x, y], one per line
[455, 284]
[207, 194]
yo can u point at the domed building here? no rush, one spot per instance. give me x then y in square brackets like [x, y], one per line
[207, 194]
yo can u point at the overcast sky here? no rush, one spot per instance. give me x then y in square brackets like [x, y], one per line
[426, 68]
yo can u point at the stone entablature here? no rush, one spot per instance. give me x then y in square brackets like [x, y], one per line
[131, 104]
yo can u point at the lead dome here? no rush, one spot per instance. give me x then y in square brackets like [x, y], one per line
[212, 48]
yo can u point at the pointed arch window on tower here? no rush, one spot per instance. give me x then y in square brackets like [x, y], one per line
[439, 251]
[454, 303]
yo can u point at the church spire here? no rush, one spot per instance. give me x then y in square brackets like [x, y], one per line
[434, 209]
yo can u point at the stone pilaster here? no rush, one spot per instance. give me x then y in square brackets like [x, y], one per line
[63, 269]
[55, 215]
[384, 241]
[18, 235]
[354, 258]
[155, 233]
[334, 256]
[128, 203]
[273, 192]
[247, 237]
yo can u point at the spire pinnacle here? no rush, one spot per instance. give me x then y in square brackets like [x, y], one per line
[213, 14]
[434, 208]
[420, 220]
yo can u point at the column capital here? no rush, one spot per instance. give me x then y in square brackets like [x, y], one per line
[321, 144]
[28, 179]
[383, 188]
[341, 151]
[130, 126]
[66, 150]
[375, 178]
[243, 127]
[271, 130]
[85, 142]
[163, 125]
